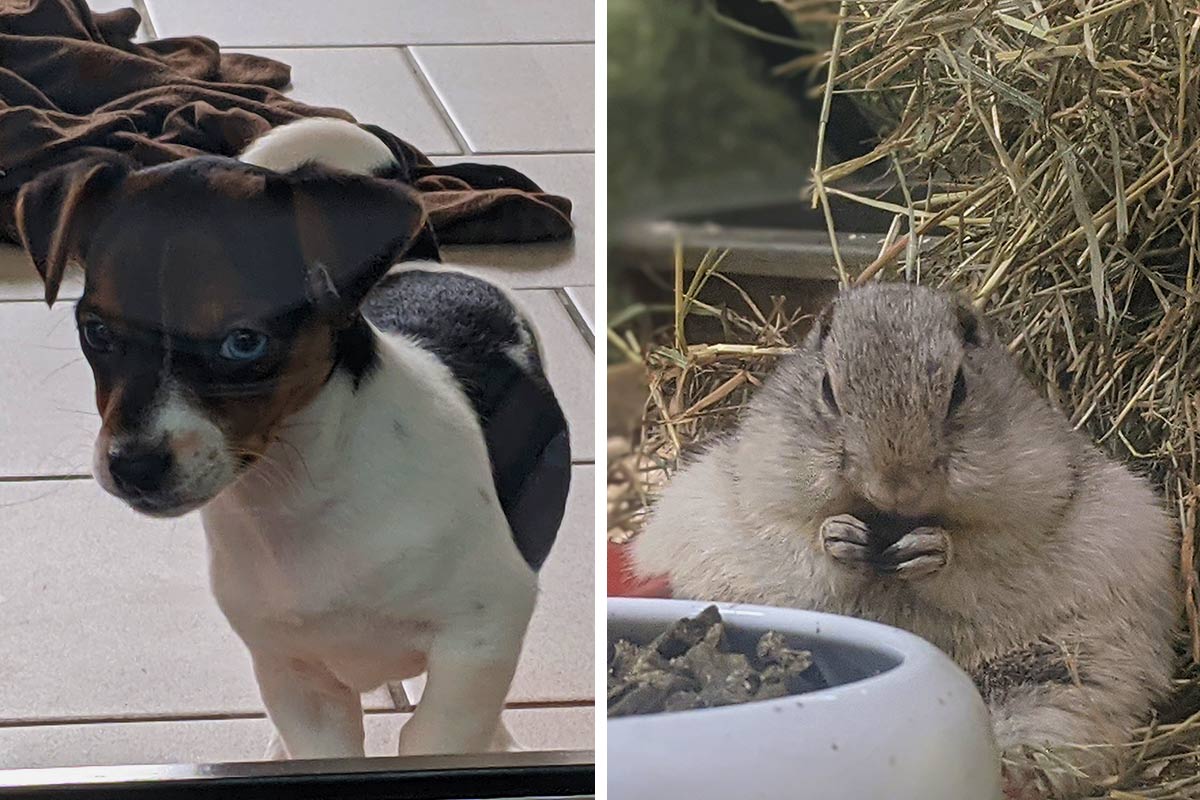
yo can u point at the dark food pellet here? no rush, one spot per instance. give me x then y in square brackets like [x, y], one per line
[691, 666]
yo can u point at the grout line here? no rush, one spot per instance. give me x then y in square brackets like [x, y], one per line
[42, 478]
[496, 153]
[147, 23]
[432, 95]
[399, 696]
[514, 154]
[548, 705]
[49, 722]
[234, 716]
[576, 316]
[367, 46]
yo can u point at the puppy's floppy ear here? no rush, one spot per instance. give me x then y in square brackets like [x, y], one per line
[352, 228]
[57, 211]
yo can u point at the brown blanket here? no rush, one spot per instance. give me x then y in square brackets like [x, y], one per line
[74, 85]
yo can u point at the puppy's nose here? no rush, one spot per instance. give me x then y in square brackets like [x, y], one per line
[139, 469]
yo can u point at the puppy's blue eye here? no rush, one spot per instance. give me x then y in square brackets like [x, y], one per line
[97, 336]
[244, 345]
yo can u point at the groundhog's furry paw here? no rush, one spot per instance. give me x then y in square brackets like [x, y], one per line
[921, 553]
[1021, 788]
[847, 540]
[1065, 772]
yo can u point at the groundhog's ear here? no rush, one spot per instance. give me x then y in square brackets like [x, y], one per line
[821, 326]
[57, 212]
[352, 228]
[971, 326]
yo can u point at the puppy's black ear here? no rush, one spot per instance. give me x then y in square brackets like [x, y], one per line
[352, 228]
[57, 212]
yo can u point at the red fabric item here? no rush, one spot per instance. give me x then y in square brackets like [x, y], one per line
[622, 582]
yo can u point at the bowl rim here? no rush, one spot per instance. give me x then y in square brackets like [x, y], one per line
[914, 654]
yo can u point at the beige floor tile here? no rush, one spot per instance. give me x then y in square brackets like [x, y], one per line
[229, 740]
[123, 624]
[546, 264]
[265, 23]
[375, 84]
[570, 366]
[553, 728]
[117, 743]
[105, 613]
[47, 410]
[558, 662]
[516, 98]
[559, 659]
[584, 300]
[20, 281]
[532, 728]
[108, 613]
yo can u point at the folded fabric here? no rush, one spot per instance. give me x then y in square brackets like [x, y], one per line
[74, 85]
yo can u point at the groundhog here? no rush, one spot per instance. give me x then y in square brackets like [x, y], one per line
[899, 467]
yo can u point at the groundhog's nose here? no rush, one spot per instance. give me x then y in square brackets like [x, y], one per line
[899, 491]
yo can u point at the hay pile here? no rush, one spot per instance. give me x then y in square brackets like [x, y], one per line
[695, 390]
[1054, 151]
[1047, 160]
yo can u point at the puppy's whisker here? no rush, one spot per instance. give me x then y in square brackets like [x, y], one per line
[269, 470]
[61, 410]
[59, 369]
[303, 462]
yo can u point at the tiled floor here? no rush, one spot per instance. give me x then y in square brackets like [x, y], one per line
[114, 652]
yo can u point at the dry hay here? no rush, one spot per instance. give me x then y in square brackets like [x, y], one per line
[695, 391]
[1047, 160]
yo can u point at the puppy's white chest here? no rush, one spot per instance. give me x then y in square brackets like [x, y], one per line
[296, 586]
[319, 560]
[374, 527]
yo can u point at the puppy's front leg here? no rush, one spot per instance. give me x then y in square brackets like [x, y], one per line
[459, 711]
[315, 715]
[276, 750]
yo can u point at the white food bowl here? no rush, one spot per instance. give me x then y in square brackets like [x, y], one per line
[900, 722]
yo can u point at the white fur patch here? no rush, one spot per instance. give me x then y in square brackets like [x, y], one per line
[332, 142]
[202, 465]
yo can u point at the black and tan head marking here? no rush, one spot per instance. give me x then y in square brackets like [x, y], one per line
[219, 298]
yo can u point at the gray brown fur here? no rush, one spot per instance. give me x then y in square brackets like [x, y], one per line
[1019, 530]
[1041, 662]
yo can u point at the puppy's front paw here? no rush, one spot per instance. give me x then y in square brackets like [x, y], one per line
[276, 749]
[847, 540]
[918, 554]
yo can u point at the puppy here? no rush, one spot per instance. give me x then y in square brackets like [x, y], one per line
[377, 492]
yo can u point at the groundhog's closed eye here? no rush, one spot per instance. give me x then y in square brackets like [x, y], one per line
[900, 467]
